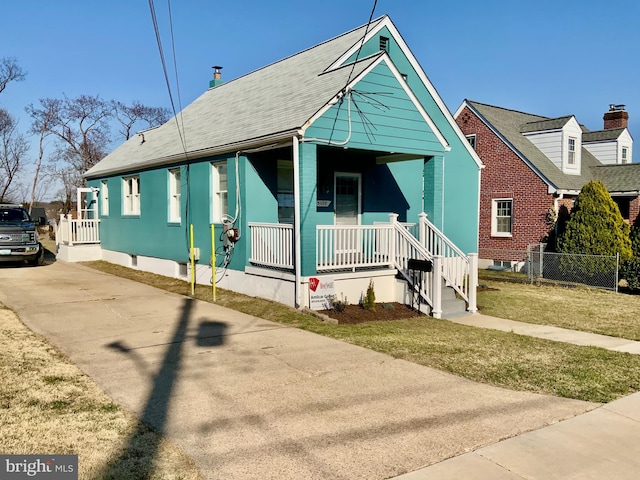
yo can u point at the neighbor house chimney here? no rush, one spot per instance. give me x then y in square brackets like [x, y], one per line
[217, 77]
[616, 117]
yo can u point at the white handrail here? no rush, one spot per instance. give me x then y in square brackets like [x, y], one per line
[459, 270]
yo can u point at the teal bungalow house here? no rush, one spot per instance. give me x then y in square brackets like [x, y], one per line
[330, 168]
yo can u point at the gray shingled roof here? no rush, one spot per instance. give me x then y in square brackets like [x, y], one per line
[509, 124]
[602, 135]
[280, 97]
[619, 178]
[542, 125]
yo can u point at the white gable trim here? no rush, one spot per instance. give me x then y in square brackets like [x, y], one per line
[551, 187]
[384, 58]
[386, 22]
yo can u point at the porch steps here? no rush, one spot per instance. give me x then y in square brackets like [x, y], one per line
[452, 306]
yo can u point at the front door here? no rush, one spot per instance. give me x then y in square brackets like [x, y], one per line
[347, 199]
[348, 207]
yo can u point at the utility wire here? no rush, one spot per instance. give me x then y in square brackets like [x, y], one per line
[366, 30]
[156, 29]
[353, 66]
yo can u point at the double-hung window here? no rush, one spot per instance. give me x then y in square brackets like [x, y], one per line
[104, 193]
[625, 155]
[220, 192]
[131, 195]
[174, 195]
[502, 217]
[571, 150]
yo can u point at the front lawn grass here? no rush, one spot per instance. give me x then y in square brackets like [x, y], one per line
[576, 308]
[498, 358]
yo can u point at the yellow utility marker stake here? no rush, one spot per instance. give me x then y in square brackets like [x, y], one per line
[193, 262]
[213, 260]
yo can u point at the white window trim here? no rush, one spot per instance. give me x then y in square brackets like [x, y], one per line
[494, 217]
[624, 158]
[218, 213]
[131, 197]
[174, 196]
[574, 151]
[104, 196]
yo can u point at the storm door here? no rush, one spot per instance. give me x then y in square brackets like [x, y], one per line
[348, 208]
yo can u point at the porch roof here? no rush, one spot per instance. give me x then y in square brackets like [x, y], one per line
[264, 106]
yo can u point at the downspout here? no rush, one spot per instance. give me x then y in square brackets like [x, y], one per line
[296, 220]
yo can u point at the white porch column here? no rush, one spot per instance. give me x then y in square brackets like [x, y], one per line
[436, 296]
[296, 222]
[473, 282]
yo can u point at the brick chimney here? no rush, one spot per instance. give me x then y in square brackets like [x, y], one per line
[217, 77]
[616, 117]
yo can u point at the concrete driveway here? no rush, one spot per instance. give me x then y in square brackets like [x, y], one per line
[248, 398]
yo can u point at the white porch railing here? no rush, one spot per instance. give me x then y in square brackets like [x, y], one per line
[460, 271]
[353, 246]
[382, 245]
[272, 245]
[74, 231]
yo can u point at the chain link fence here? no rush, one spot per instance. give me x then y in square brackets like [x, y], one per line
[599, 271]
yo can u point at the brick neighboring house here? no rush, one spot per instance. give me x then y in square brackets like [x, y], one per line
[535, 164]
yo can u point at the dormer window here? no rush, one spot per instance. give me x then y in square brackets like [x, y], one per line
[384, 44]
[571, 158]
[625, 155]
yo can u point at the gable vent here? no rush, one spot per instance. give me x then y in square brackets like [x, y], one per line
[384, 44]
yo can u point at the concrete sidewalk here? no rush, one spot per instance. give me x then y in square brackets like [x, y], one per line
[551, 333]
[601, 444]
[248, 398]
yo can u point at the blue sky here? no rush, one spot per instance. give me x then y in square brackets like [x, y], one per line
[551, 58]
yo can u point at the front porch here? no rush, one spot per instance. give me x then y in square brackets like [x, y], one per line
[78, 239]
[357, 251]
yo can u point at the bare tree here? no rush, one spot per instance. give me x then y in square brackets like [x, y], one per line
[10, 71]
[81, 131]
[13, 149]
[130, 115]
[42, 120]
[81, 128]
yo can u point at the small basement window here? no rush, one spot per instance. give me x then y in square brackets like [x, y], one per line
[182, 270]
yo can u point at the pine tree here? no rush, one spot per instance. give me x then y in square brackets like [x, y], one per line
[595, 226]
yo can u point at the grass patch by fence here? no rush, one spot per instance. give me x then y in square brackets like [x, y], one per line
[577, 308]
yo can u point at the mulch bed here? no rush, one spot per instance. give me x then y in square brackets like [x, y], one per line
[383, 312]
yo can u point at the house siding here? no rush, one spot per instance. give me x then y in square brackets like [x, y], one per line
[506, 176]
[549, 143]
[151, 234]
[378, 115]
[459, 175]
[606, 152]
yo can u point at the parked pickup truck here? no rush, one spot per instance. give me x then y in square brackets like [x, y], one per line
[19, 236]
